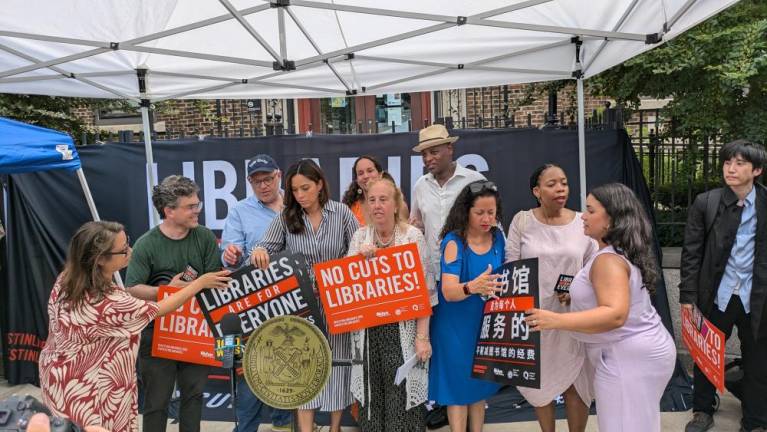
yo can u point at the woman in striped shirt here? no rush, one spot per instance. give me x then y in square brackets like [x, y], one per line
[319, 229]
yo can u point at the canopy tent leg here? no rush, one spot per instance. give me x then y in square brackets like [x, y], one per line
[94, 212]
[141, 73]
[581, 145]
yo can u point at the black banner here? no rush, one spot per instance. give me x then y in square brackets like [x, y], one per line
[507, 352]
[255, 295]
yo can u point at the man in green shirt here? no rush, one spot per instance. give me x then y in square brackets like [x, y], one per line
[173, 253]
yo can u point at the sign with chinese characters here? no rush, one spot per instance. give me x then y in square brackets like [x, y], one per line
[507, 351]
[706, 345]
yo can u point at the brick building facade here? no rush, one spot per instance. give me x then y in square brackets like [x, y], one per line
[474, 107]
[485, 106]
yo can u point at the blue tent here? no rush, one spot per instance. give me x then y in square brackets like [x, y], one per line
[28, 148]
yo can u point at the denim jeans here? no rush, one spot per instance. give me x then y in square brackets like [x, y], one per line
[249, 409]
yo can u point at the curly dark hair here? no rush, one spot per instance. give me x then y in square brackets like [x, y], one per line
[630, 232]
[293, 212]
[458, 219]
[354, 193]
[167, 193]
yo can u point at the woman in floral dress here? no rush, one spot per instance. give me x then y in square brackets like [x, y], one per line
[88, 364]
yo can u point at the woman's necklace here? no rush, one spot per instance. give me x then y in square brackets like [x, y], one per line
[379, 241]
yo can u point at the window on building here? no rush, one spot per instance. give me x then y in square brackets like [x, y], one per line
[393, 112]
[337, 115]
[122, 114]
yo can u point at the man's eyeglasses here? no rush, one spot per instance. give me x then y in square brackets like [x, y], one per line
[193, 207]
[480, 186]
[123, 251]
[266, 181]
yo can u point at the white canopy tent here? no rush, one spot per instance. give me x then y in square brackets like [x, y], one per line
[155, 50]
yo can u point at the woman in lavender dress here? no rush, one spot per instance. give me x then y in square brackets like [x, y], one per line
[631, 351]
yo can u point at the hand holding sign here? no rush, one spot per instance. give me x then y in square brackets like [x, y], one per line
[259, 257]
[232, 254]
[178, 281]
[541, 319]
[219, 279]
[368, 251]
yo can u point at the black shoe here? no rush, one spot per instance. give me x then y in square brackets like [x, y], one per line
[759, 429]
[700, 422]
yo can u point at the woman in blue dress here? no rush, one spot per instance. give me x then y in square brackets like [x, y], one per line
[472, 245]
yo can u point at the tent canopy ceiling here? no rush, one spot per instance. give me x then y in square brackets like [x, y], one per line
[317, 48]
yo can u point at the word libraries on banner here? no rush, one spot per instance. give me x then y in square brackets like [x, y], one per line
[183, 334]
[255, 295]
[706, 345]
[507, 351]
[359, 292]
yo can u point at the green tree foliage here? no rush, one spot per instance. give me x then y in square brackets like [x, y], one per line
[715, 73]
[45, 111]
[52, 112]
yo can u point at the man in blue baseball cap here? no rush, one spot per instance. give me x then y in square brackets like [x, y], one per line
[245, 225]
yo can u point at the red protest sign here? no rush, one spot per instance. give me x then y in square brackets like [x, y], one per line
[706, 345]
[183, 334]
[358, 293]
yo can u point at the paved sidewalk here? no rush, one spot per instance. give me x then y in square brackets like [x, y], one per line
[727, 419]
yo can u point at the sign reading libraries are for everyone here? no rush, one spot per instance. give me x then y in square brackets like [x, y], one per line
[706, 345]
[183, 334]
[256, 295]
[358, 292]
[507, 351]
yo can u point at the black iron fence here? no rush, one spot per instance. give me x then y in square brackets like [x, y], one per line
[677, 167]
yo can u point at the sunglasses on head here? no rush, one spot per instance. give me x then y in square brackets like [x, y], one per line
[481, 186]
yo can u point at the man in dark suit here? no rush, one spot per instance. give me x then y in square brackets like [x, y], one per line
[724, 272]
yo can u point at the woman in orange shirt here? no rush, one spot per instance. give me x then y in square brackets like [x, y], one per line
[365, 169]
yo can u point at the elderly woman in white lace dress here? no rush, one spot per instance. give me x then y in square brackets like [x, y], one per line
[379, 351]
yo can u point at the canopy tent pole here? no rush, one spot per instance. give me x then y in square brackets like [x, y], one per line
[147, 137]
[581, 145]
[94, 212]
[578, 74]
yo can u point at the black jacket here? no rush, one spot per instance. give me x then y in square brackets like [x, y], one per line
[707, 248]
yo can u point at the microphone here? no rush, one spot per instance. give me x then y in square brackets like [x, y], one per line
[229, 345]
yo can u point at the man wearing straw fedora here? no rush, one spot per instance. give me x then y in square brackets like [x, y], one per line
[435, 192]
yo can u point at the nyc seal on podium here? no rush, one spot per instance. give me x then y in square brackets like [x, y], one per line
[287, 362]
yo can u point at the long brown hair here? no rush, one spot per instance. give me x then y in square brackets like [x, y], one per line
[630, 230]
[293, 213]
[354, 191]
[82, 276]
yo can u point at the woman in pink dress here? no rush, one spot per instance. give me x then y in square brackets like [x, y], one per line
[554, 234]
[88, 364]
[632, 353]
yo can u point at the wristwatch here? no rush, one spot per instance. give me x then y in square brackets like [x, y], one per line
[466, 289]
